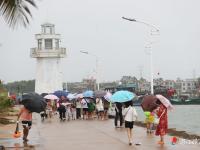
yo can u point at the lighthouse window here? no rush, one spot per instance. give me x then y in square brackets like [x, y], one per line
[48, 30]
[39, 43]
[57, 43]
[48, 44]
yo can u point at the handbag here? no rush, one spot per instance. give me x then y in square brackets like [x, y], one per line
[157, 120]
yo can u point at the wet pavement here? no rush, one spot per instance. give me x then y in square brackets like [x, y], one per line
[88, 134]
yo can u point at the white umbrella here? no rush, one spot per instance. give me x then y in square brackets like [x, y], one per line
[108, 96]
[71, 96]
[79, 96]
[51, 96]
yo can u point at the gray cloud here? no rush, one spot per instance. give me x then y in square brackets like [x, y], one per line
[96, 26]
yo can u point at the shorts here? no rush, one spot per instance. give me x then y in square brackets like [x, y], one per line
[129, 124]
[85, 109]
[100, 109]
[27, 123]
[106, 108]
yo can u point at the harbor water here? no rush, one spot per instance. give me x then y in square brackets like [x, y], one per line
[183, 118]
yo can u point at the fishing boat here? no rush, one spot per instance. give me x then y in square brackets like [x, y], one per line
[188, 101]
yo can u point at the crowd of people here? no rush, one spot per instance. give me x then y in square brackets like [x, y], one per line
[90, 108]
[80, 108]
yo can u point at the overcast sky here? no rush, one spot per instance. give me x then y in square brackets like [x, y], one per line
[97, 26]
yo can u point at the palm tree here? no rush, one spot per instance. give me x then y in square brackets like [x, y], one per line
[16, 11]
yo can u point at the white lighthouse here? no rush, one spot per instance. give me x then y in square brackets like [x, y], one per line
[48, 55]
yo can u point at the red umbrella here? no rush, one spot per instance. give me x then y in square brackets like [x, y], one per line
[149, 103]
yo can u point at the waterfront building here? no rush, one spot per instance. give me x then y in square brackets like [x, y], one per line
[48, 54]
[169, 84]
[188, 86]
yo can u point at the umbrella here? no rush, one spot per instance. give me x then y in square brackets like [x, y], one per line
[79, 96]
[61, 93]
[99, 94]
[88, 93]
[33, 102]
[122, 96]
[65, 104]
[165, 101]
[71, 96]
[108, 96]
[44, 94]
[51, 96]
[149, 103]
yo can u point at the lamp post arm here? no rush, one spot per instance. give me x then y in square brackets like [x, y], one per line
[134, 20]
[152, 26]
[85, 52]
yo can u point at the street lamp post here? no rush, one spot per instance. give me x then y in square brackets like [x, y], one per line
[153, 31]
[96, 69]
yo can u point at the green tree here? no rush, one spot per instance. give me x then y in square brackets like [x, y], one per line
[16, 12]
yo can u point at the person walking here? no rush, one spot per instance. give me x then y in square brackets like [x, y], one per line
[26, 118]
[130, 116]
[106, 105]
[78, 108]
[149, 120]
[84, 105]
[99, 107]
[118, 114]
[162, 127]
[61, 108]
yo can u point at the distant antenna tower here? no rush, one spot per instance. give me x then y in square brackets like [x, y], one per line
[194, 74]
[140, 71]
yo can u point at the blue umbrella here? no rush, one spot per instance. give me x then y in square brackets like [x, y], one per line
[61, 93]
[88, 93]
[122, 96]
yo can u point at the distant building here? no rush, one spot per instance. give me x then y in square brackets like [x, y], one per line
[188, 86]
[169, 84]
[86, 84]
[158, 82]
[143, 85]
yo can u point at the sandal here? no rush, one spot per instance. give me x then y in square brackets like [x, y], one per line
[161, 142]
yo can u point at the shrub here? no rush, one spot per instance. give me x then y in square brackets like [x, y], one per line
[5, 103]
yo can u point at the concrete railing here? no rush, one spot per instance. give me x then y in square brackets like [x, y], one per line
[56, 52]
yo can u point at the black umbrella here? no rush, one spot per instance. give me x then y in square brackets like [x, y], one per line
[149, 103]
[44, 94]
[33, 102]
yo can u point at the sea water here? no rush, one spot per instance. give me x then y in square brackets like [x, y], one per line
[183, 118]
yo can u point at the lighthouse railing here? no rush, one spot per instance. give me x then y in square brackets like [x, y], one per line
[55, 52]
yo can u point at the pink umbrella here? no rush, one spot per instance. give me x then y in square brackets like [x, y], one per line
[108, 96]
[51, 96]
[165, 101]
